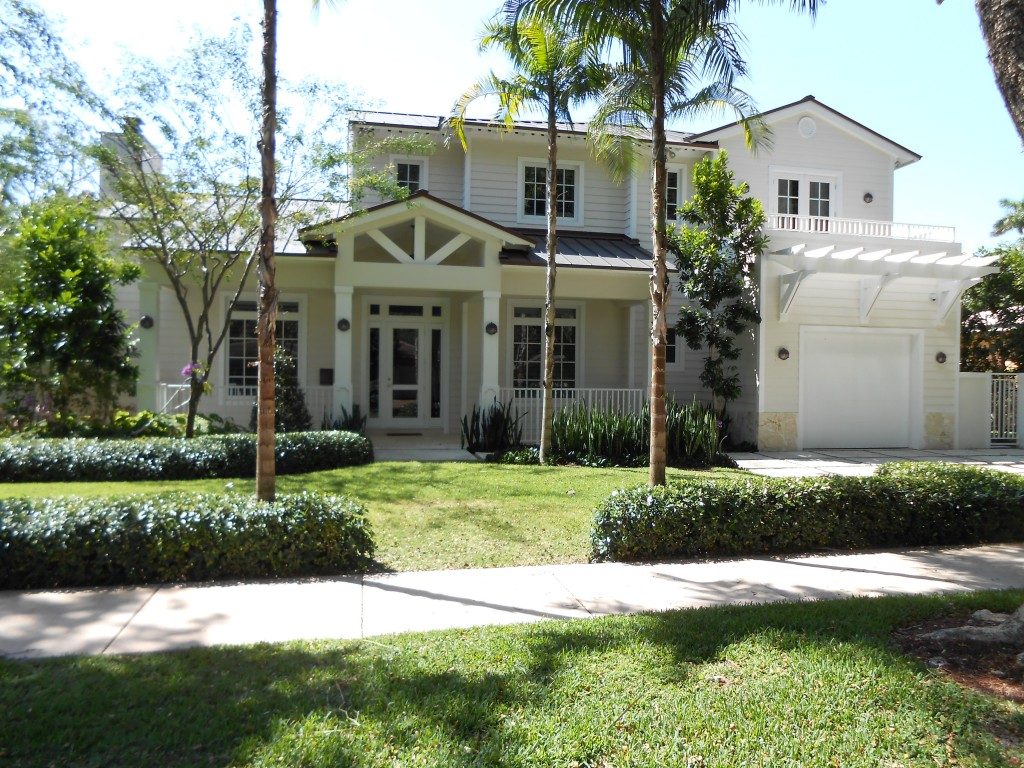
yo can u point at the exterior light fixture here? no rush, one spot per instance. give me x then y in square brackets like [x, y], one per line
[940, 357]
[783, 353]
[146, 321]
[868, 198]
[344, 324]
[491, 328]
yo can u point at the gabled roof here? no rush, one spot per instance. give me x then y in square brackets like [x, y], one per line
[436, 123]
[903, 155]
[422, 198]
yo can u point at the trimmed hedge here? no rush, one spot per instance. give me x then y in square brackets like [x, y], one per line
[71, 542]
[901, 505]
[76, 459]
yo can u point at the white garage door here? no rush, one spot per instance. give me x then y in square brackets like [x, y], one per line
[855, 390]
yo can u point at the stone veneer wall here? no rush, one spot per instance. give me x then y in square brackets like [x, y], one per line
[939, 430]
[776, 431]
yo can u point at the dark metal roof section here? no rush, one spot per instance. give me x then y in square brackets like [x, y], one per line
[581, 249]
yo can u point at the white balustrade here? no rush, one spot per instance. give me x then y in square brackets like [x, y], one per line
[860, 227]
[529, 402]
[172, 398]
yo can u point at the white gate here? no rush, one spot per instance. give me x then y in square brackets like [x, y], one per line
[1005, 408]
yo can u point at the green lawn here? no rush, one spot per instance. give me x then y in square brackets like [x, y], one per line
[452, 515]
[784, 685]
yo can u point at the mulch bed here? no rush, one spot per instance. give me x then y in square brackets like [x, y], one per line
[989, 669]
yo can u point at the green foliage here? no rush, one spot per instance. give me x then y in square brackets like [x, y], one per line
[290, 411]
[901, 505]
[346, 422]
[73, 542]
[66, 344]
[716, 249]
[74, 459]
[126, 424]
[992, 330]
[494, 429]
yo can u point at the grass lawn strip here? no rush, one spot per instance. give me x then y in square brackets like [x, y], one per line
[812, 684]
[429, 516]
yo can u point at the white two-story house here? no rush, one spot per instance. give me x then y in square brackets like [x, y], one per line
[420, 309]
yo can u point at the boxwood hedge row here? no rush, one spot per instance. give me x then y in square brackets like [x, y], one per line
[900, 505]
[174, 458]
[65, 542]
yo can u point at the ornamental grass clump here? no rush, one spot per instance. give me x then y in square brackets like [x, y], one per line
[901, 505]
[73, 542]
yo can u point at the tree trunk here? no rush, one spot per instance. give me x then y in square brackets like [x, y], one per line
[195, 392]
[265, 324]
[659, 271]
[547, 412]
[1002, 24]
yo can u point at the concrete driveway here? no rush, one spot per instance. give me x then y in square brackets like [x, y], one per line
[863, 461]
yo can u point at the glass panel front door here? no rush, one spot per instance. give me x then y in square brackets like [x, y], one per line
[405, 373]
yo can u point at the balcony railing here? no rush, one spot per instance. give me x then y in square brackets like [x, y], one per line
[530, 402]
[860, 227]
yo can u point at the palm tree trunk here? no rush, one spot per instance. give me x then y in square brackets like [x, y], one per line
[265, 324]
[1002, 24]
[659, 271]
[547, 412]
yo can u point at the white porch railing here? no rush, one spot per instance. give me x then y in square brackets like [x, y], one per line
[860, 227]
[529, 402]
[320, 401]
[1005, 408]
[172, 398]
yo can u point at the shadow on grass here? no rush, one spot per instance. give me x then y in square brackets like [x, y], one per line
[811, 683]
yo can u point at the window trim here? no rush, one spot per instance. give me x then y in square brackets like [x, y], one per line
[573, 165]
[421, 160]
[532, 303]
[220, 375]
[684, 181]
[805, 176]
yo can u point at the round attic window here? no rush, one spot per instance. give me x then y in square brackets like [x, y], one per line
[806, 127]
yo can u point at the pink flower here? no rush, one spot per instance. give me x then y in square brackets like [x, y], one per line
[190, 369]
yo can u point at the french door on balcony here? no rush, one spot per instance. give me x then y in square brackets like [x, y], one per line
[805, 202]
[406, 374]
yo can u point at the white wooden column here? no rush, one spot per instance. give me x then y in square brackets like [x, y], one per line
[489, 358]
[343, 349]
[148, 385]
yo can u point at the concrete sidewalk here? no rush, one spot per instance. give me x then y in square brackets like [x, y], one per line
[864, 461]
[143, 619]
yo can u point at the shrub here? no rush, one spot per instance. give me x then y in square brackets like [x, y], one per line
[174, 458]
[900, 505]
[65, 542]
[291, 414]
[126, 424]
[494, 429]
[347, 422]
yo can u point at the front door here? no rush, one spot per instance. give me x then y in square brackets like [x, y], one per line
[405, 365]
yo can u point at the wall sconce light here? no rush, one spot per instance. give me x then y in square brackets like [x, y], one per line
[146, 321]
[869, 198]
[344, 324]
[783, 353]
[940, 357]
[491, 328]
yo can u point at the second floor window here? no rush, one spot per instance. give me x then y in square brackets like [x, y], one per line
[672, 201]
[535, 191]
[409, 176]
[789, 196]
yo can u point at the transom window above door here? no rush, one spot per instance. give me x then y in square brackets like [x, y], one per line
[533, 203]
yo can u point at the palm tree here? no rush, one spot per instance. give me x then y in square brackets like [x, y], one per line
[667, 46]
[266, 479]
[554, 70]
[1013, 218]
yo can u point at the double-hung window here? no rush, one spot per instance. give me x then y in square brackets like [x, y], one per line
[242, 355]
[528, 347]
[533, 194]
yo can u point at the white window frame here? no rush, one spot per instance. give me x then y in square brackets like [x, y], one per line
[510, 321]
[421, 160]
[682, 188]
[805, 176]
[521, 216]
[221, 375]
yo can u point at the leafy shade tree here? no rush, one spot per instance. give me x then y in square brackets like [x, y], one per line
[992, 312]
[555, 70]
[194, 217]
[291, 414]
[678, 57]
[716, 248]
[66, 343]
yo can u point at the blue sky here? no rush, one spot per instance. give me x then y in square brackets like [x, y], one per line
[909, 69]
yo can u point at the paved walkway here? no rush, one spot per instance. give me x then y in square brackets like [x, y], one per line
[110, 621]
[862, 461]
